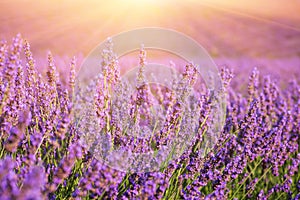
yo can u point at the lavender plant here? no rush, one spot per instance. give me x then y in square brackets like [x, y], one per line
[42, 155]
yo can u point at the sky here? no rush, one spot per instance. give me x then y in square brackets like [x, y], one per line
[225, 28]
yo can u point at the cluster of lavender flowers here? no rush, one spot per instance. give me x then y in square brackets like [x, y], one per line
[42, 155]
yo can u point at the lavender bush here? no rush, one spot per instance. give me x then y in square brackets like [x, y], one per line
[42, 156]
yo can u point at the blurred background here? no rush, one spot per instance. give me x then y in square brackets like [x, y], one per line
[238, 33]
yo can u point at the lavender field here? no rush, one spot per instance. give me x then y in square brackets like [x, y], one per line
[46, 153]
